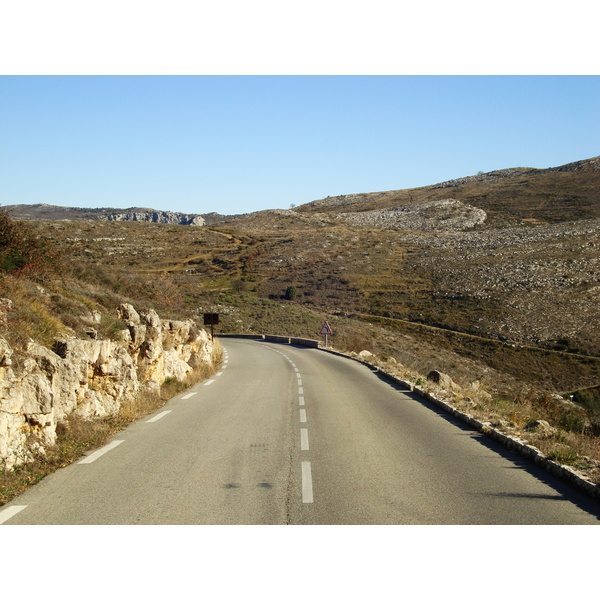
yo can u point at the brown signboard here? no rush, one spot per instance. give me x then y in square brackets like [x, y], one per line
[211, 318]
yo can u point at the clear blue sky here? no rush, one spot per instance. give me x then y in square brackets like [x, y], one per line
[235, 144]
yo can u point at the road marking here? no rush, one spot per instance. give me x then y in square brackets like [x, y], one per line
[160, 416]
[300, 391]
[96, 455]
[219, 374]
[302, 416]
[188, 395]
[307, 488]
[301, 400]
[10, 512]
[304, 439]
[209, 382]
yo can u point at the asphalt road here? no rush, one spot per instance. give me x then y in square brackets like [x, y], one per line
[290, 435]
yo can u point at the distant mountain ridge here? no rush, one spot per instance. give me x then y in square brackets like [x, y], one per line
[64, 213]
[555, 194]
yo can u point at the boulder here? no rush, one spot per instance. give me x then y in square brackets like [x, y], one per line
[542, 428]
[440, 379]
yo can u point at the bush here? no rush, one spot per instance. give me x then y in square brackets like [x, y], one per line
[21, 252]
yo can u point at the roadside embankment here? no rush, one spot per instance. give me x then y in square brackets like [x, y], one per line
[90, 378]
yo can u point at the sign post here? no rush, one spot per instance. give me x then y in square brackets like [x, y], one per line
[211, 319]
[326, 330]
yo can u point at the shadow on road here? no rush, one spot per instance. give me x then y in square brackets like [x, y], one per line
[565, 491]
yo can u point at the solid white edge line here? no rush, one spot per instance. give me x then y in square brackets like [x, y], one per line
[302, 415]
[307, 488]
[10, 512]
[304, 439]
[159, 416]
[96, 455]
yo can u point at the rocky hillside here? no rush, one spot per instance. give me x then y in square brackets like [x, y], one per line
[510, 255]
[437, 215]
[564, 193]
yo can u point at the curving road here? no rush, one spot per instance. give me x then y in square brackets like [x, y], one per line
[290, 435]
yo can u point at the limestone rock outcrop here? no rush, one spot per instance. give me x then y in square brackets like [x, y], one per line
[90, 378]
[154, 216]
[445, 215]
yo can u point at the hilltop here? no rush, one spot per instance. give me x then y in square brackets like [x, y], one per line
[507, 196]
[557, 194]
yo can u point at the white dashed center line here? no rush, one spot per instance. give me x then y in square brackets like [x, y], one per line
[304, 439]
[307, 488]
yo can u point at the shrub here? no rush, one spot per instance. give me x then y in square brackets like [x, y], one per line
[21, 252]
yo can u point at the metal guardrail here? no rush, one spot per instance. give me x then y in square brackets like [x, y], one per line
[278, 339]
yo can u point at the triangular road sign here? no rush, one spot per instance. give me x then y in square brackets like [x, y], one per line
[326, 329]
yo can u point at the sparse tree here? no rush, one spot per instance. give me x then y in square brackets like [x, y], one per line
[291, 293]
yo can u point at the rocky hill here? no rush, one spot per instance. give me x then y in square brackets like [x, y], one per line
[565, 193]
[509, 255]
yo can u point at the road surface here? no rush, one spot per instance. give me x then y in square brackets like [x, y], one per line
[290, 435]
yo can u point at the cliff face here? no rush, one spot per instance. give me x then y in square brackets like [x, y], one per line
[148, 215]
[164, 216]
[90, 378]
